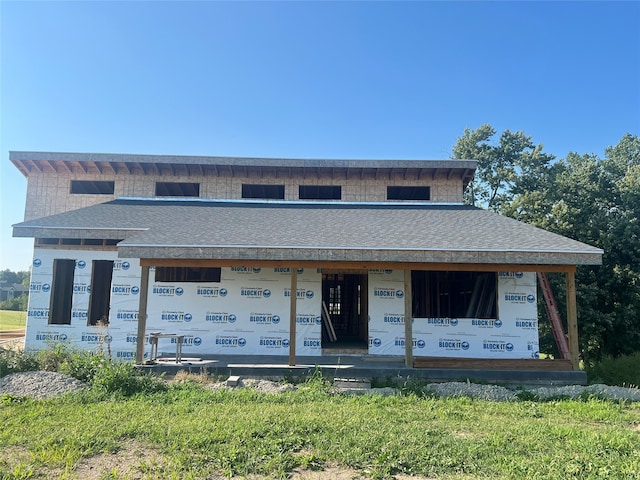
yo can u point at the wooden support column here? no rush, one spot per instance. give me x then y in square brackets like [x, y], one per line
[572, 320]
[142, 314]
[292, 315]
[408, 320]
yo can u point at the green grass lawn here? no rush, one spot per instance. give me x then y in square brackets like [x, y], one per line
[199, 433]
[10, 319]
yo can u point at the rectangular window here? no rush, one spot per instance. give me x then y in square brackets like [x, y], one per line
[47, 241]
[92, 187]
[271, 192]
[454, 294]
[187, 274]
[100, 297]
[93, 241]
[61, 292]
[70, 241]
[320, 192]
[177, 189]
[408, 193]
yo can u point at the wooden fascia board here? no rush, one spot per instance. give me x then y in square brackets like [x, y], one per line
[362, 266]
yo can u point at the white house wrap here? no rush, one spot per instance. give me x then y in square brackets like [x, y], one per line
[382, 250]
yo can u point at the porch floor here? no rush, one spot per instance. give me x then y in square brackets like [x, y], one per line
[366, 366]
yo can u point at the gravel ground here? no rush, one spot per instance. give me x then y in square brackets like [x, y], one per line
[39, 384]
[49, 384]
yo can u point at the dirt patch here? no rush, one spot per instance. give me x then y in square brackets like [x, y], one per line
[133, 460]
[338, 473]
[137, 460]
[328, 473]
[19, 462]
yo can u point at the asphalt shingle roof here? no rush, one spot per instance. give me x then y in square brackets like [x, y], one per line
[299, 231]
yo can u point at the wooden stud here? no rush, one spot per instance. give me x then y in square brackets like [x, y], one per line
[572, 320]
[292, 315]
[142, 314]
[408, 320]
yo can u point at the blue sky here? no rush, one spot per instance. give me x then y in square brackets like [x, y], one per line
[378, 80]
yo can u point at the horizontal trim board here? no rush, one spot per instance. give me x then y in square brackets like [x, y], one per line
[297, 204]
[362, 266]
[364, 249]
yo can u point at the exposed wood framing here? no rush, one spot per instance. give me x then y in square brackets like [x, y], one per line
[354, 265]
[142, 314]
[493, 363]
[292, 316]
[408, 320]
[572, 320]
[67, 167]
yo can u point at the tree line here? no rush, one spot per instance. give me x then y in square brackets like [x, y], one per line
[584, 197]
[23, 278]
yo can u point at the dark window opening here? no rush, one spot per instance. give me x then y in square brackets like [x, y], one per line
[408, 193]
[100, 299]
[272, 192]
[454, 294]
[77, 241]
[70, 241]
[61, 292]
[177, 189]
[92, 187]
[47, 241]
[187, 274]
[320, 192]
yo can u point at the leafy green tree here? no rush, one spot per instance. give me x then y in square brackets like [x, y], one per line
[598, 202]
[513, 166]
[584, 197]
[22, 277]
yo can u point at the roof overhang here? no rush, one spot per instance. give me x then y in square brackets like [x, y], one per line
[215, 232]
[109, 163]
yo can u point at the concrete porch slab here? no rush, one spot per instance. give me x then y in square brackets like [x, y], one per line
[362, 367]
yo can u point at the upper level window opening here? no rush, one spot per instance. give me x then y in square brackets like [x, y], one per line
[177, 189]
[92, 187]
[320, 192]
[269, 192]
[408, 193]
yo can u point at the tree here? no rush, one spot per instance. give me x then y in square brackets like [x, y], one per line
[584, 197]
[22, 277]
[514, 166]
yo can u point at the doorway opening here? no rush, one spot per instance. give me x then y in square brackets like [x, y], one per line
[345, 315]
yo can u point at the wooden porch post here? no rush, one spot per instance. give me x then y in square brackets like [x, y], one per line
[408, 320]
[292, 316]
[572, 320]
[142, 314]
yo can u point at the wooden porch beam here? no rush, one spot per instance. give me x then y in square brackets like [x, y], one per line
[355, 265]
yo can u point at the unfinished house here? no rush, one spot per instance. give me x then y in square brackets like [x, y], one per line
[292, 257]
